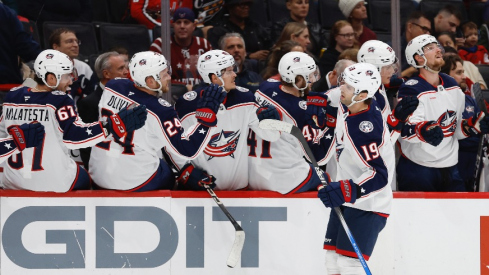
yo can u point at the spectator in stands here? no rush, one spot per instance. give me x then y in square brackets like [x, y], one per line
[471, 70]
[14, 43]
[185, 48]
[472, 52]
[56, 10]
[234, 44]
[468, 147]
[356, 12]
[148, 12]
[298, 12]
[125, 54]
[342, 37]
[108, 66]
[65, 41]
[330, 80]
[296, 32]
[271, 71]
[256, 37]
[447, 39]
[447, 20]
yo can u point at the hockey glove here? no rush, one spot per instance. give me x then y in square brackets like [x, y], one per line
[337, 193]
[326, 176]
[27, 135]
[405, 107]
[193, 178]
[479, 123]
[208, 105]
[127, 120]
[316, 113]
[429, 132]
[395, 82]
[268, 112]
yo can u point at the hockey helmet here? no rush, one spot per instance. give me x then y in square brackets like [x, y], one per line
[55, 62]
[416, 45]
[362, 77]
[213, 62]
[293, 64]
[145, 64]
[377, 53]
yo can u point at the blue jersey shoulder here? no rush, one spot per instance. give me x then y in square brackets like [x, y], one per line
[448, 81]
[366, 127]
[24, 95]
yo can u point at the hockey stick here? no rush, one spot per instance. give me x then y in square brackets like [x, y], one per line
[271, 124]
[479, 99]
[239, 238]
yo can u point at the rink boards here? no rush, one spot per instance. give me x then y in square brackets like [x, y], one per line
[163, 232]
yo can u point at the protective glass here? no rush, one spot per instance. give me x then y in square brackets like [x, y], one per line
[432, 47]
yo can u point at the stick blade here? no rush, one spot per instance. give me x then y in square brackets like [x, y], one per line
[278, 125]
[235, 254]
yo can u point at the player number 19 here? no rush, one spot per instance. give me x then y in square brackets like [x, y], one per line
[371, 151]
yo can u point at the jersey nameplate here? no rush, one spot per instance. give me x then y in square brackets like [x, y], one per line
[58, 93]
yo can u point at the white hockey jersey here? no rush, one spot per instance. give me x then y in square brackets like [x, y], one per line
[444, 104]
[365, 154]
[132, 161]
[279, 166]
[226, 154]
[49, 166]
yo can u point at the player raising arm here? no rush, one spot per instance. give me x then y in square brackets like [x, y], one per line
[226, 154]
[280, 166]
[366, 163]
[48, 166]
[133, 163]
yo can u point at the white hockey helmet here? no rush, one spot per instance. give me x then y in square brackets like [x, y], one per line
[376, 53]
[416, 45]
[362, 77]
[55, 62]
[293, 64]
[213, 62]
[145, 64]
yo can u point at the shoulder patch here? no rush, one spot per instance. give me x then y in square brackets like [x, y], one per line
[164, 102]
[16, 88]
[303, 104]
[241, 89]
[366, 126]
[469, 109]
[58, 93]
[411, 82]
[272, 80]
[190, 95]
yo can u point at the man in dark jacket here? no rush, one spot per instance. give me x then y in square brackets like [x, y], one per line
[256, 37]
[14, 43]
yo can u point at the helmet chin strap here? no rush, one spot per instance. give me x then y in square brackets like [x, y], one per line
[158, 90]
[425, 66]
[353, 101]
[300, 89]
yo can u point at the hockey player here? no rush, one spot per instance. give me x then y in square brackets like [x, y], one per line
[134, 163]
[366, 163]
[226, 154]
[48, 166]
[430, 137]
[280, 166]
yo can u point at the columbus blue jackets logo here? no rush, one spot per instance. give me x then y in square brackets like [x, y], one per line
[366, 126]
[448, 123]
[469, 109]
[411, 82]
[164, 102]
[223, 144]
[369, 73]
[303, 104]
[49, 56]
[371, 50]
[142, 62]
[296, 59]
[190, 95]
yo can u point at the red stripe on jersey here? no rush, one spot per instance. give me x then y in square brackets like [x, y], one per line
[329, 247]
[142, 184]
[76, 178]
[309, 175]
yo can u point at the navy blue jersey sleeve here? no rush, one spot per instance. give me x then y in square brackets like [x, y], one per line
[186, 142]
[76, 133]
